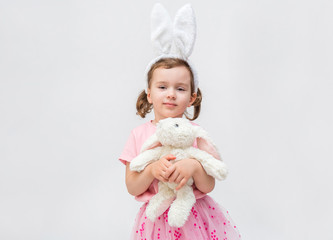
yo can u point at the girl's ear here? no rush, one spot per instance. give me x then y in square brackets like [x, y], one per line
[150, 143]
[205, 143]
[192, 99]
[149, 96]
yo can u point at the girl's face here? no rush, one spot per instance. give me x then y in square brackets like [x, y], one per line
[170, 92]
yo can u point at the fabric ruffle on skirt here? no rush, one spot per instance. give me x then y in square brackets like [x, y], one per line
[207, 220]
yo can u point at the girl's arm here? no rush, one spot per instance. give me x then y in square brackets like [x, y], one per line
[181, 171]
[138, 182]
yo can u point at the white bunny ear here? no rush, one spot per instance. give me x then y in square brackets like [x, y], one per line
[161, 30]
[173, 39]
[151, 142]
[184, 31]
[205, 143]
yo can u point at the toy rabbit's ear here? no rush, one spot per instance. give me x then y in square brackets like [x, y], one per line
[205, 143]
[152, 142]
[161, 30]
[184, 30]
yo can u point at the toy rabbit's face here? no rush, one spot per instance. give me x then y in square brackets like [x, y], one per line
[175, 132]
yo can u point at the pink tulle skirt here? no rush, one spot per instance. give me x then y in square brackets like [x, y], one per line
[207, 220]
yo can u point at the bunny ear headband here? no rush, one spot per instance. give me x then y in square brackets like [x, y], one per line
[173, 39]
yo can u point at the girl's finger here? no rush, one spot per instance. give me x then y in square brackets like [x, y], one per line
[170, 157]
[162, 178]
[178, 179]
[169, 171]
[174, 176]
[166, 160]
[181, 184]
[167, 164]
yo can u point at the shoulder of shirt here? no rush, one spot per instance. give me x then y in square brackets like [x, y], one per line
[142, 127]
[148, 124]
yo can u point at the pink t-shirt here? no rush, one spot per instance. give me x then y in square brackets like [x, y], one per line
[132, 148]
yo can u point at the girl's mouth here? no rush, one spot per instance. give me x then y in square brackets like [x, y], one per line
[170, 104]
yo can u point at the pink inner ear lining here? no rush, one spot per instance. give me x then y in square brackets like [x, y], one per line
[155, 145]
[206, 146]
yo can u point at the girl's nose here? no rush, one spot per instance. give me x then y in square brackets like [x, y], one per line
[171, 93]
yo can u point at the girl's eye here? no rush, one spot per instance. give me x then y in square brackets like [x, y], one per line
[181, 89]
[162, 87]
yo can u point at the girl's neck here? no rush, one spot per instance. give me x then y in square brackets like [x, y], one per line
[155, 121]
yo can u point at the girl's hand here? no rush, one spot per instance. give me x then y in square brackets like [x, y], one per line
[160, 168]
[181, 171]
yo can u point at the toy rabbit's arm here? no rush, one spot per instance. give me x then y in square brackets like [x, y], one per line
[213, 167]
[145, 158]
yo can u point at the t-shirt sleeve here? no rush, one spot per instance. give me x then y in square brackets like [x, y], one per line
[130, 150]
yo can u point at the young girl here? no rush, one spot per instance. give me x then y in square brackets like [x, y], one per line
[171, 88]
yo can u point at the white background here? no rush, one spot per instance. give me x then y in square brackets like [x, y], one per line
[70, 73]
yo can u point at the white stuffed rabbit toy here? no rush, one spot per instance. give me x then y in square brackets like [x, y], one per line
[176, 136]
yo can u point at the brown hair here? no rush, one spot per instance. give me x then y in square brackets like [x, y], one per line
[143, 106]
